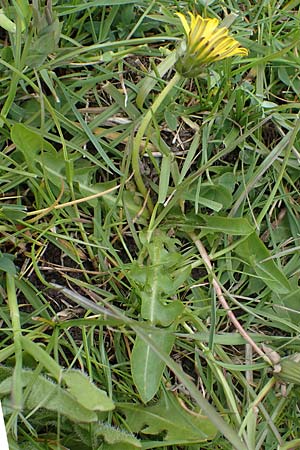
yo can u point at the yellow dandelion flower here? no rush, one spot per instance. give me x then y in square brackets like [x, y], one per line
[205, 43]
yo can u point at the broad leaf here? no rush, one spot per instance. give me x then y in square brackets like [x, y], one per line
[30, 142]
[80, 387]
[157, 281]
[12, 212]
[114, 437]
[47, 34]
[253, 251]
[236, 226]
[44, 393]
[102, 435]
[86, 393]
[53, 167]
[288, 305]
[169, 418]
[146, 367]
[155, 308]
[6, 263]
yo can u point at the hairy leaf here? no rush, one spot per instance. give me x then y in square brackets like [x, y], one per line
[44, 393]
[86, 393]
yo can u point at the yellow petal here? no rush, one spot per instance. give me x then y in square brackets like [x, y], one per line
[206, 42]
[184, 23]
[210, 27]
[194, 20]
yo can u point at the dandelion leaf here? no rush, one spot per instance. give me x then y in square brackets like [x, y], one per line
[170, 419]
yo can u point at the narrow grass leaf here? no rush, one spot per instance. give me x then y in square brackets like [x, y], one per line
[123, 102]
[33, 298]
[89, 132]
[71, 9]
[189, 157]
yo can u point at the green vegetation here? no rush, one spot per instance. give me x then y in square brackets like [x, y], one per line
[149, 228]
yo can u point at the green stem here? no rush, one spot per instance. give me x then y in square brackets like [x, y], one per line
[140, 134]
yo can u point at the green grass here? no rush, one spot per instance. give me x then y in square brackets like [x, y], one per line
[149, 263]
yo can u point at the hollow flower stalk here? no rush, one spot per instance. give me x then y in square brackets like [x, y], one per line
[205, 43]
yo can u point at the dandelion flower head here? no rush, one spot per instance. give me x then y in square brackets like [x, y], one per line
[205, 43]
